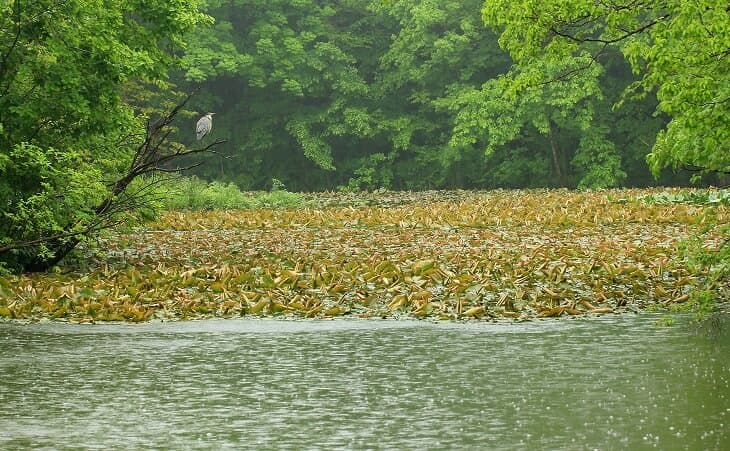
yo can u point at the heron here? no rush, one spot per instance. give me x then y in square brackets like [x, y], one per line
[205, 124]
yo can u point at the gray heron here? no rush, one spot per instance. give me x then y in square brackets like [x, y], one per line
[205, 124]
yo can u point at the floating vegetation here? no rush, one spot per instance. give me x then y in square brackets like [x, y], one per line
[443, 255]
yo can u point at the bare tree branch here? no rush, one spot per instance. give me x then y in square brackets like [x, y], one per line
[149, 158]
[627, 33]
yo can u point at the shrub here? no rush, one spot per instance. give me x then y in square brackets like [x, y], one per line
[191, 194]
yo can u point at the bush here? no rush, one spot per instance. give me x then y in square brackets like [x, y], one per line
[191, 194]
[700, 197]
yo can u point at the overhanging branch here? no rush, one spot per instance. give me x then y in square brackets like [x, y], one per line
[627, 33]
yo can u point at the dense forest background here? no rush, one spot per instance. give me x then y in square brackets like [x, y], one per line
[364, 94]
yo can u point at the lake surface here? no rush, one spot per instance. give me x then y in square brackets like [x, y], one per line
[616, 382]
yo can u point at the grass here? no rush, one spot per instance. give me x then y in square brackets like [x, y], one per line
[193, 194]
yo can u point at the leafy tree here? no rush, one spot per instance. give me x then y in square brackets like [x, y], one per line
[409, 94]
[346, 93]
[678, 49]
[68, 137]
[289, 81]
[439, 51]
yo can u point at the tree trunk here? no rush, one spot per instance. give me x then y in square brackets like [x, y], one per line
[59, 248]
[557, 167]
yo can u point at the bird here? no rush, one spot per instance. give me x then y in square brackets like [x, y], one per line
[205, 124]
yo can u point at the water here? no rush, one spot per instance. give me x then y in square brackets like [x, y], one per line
[610, 383]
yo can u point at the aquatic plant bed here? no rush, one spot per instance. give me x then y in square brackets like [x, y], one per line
[441, 255]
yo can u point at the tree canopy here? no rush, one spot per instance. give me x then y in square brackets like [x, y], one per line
[423, 94]
[679, 50]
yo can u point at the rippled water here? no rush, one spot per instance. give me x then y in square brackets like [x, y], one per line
[609, 383]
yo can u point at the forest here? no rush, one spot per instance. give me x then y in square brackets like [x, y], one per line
[417, 94]
[348, 95]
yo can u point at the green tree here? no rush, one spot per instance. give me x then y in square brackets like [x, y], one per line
[413, 94]
[557, 121]
[678, 49]
[67, 134]
[288, 79]
[439, 50]
[346, 93]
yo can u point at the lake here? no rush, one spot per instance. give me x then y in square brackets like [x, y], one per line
[614, 382]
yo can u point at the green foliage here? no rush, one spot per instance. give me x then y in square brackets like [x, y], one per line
[279, 199]
[598, 161]
[519, 168]
[314, 92]
[209, 196]
[373, 173]
[700, 197]
[687, 63]
[45, 193]
[277, 185]
[326, 88]
[708, 259]
[678, 49]
[193, 194]
[713, 264]
[66, 133]
[284, 69]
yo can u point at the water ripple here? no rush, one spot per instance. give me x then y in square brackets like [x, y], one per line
[617, 383]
